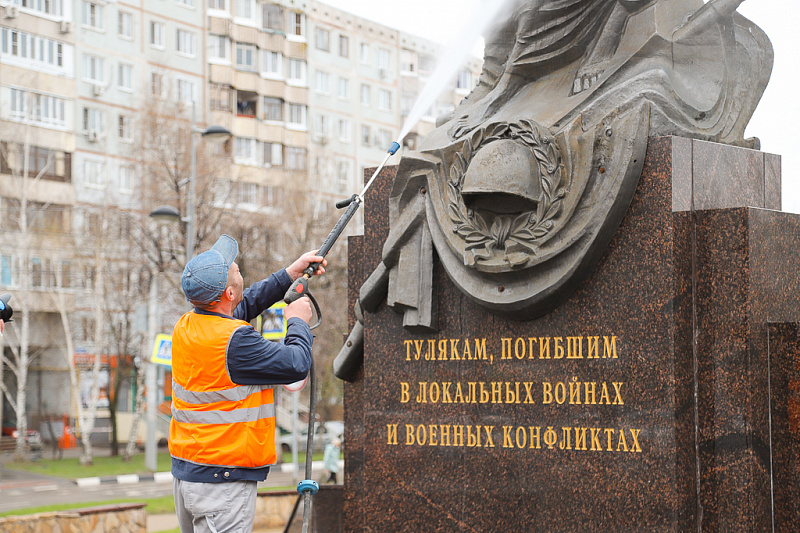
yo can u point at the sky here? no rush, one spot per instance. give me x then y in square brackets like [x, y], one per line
[772, 122]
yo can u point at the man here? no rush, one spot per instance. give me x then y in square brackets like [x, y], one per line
[222, 435]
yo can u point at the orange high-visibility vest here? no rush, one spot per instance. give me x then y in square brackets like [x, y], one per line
[214, 420]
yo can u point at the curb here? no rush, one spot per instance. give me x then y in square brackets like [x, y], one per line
[128, 479]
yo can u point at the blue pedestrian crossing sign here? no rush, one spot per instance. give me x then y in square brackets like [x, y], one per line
[273, 322]
[162, 351]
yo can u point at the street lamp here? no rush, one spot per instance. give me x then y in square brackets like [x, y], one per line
[166, 214]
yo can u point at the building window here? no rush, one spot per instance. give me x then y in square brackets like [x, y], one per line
[187, 3]
[93, 16]
[297, 115]
[366, 135]
[464, 80]
[40, 109]
[272, 64]
[272, 17]
[185, 42]
[344, 46]
[363, 53]
[322, 82]
[221, 5]
[365, 94]
[345, 130]
[93, 69]
[7, 271]
[93, 120]
[383, 60]
[186, 91]
[125, 25]
[295, 158]
[385, 137]
[221, 97]
[219, 48]
[246, 103]
[344, 88]
[408, 62]
[156, 34]
[125, 76]
[343, 175]
[245, 151]
[126, 178]
[298, 24]
[244, 9]
[322, 39]
[297, 71]
[384, 100]
[273, 154]
[29, 50]
[157, 84]
[321, 126]
[245, 56]
[94, 173]
[273, 109]
[125, 128]
[48, 7]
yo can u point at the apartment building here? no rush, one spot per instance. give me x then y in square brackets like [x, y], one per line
[313, 96]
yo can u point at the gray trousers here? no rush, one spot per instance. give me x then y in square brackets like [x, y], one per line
[215, 507]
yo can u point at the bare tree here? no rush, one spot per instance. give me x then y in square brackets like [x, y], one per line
[23, 211]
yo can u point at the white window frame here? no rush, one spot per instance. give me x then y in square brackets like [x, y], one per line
[245, 51]
[93, 16]
[245, 151]
[185, 42]
[93, 69]
[365, 95]
[296, 116]
[125, 25]
[271, 64]
[345, 130]
[384, 99]
[127, 178]
[217, 44]
[94, 173]
[125, 77]
[125, 128]
[296, 72]
[322, 82]
[156, 38]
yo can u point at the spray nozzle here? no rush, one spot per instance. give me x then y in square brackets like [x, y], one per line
[394, 148]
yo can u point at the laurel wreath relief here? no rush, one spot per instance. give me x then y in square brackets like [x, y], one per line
[517, 236]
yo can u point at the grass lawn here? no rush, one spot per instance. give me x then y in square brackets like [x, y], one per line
[103, 466]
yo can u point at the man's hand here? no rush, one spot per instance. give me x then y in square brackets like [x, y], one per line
[2, 326]
[300, 309]
[295, 270]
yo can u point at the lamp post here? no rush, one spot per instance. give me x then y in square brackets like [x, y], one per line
[163, 215]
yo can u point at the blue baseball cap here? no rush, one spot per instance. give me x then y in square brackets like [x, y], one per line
[206, 275]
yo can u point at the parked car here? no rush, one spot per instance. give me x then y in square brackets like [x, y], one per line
[324, 434]
[32, 437]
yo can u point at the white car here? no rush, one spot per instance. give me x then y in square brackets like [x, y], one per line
[324, 434]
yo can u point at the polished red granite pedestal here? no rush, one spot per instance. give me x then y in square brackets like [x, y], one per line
[661, 396]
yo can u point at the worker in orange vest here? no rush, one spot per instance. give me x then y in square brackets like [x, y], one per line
[222, 434]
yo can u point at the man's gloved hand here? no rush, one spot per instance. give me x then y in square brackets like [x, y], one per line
[300, 309]
[295, 270]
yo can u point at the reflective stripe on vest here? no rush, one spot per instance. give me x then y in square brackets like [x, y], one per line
[249, 414]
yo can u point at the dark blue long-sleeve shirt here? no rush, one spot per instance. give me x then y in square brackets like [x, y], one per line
[253, 360]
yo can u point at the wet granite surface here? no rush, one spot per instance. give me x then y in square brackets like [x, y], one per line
[685, 296]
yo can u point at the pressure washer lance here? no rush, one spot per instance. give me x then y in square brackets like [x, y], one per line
[300, 287]
[308, 487]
